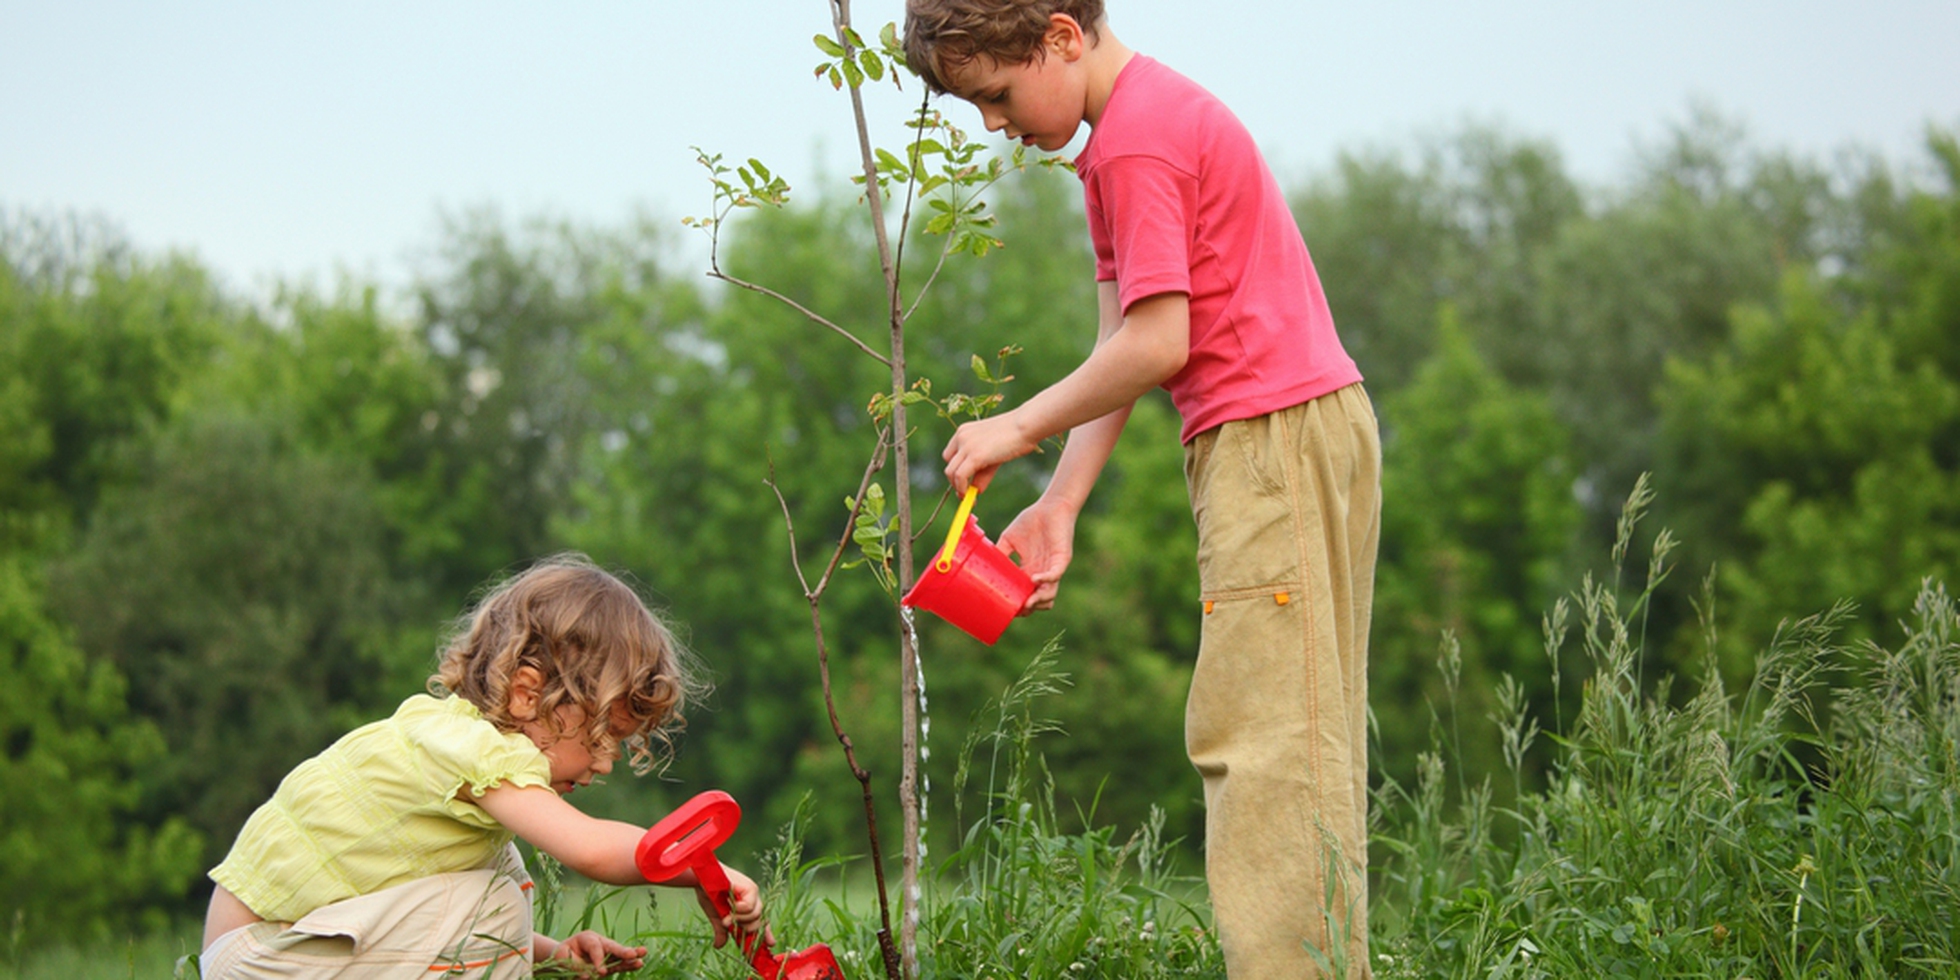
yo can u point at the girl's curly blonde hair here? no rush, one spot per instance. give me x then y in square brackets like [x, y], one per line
[943, 36]
[591, 638]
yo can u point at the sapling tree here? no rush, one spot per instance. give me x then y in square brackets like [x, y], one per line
[939, 176]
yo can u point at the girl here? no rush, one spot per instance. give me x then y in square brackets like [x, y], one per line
[391, 852]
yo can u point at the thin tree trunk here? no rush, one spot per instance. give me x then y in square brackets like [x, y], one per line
[908, 782]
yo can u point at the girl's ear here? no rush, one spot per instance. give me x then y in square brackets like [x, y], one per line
[525, 683]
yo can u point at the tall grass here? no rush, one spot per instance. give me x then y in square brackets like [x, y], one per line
[1022, 899]
[1019, 899]
[1690, 839]
[1677, 834]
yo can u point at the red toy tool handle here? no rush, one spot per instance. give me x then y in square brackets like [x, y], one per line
[685, 840]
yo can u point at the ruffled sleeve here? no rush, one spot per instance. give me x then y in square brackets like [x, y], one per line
[466, 756]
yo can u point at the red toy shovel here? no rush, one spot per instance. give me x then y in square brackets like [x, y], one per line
[685, 840]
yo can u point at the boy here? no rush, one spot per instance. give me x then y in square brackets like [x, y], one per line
[1205, 288]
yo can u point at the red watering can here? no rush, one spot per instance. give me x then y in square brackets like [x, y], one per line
[972, 584]
[685, 840]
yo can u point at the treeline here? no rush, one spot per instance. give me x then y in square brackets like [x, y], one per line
[232, 529]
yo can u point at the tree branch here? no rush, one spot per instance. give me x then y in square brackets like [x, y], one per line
[812, 315]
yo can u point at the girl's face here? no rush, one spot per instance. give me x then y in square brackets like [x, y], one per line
[575, 761]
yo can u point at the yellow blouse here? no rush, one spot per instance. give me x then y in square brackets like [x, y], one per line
[379, 808]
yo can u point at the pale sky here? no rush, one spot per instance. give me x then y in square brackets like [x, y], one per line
[296, 139]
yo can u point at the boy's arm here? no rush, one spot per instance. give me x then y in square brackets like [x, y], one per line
[1134, 353]
[1091, 442]
[1043, 536]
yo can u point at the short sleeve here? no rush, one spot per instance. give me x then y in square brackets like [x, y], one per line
[1143, 206]
[464, 753]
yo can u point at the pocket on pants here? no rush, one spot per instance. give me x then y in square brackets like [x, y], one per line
[1250, 683]
[1247, 538]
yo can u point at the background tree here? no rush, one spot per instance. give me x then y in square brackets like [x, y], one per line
[239, 583]
[708, 402]
[1477, 519]
[95, 343]
[84, 854]
[1817, 456]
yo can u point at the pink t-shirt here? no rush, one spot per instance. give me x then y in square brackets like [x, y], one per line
[1180, 201]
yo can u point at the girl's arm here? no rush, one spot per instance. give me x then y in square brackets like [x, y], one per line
[603, 850]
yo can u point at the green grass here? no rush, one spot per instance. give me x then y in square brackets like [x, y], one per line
[1018, 899]
[1757, 836]
[136, 958]
[1790, 830]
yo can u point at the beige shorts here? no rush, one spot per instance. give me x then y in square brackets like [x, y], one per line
[465, 924]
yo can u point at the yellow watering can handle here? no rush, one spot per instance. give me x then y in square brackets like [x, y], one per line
[945, 561]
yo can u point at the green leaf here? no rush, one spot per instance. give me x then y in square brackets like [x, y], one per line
[828, 46]
[980, 370]
[872, 64]
[887, 161]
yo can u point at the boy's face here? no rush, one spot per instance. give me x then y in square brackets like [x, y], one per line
[1040, 103]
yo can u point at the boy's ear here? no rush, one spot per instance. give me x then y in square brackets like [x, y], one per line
[1064, 39]
[525, 683]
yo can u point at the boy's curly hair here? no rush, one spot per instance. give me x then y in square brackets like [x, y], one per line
[944, 36]
[595, 643]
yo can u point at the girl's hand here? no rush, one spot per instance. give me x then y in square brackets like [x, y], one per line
[745, 916]
[604, 956]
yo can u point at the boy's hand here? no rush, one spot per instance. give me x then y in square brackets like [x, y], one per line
[745, 915]
[1043, 538]
[978, 448]
[604, 956]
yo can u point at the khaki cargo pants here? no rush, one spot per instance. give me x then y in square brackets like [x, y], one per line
[1288, 510]
[474, 924]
